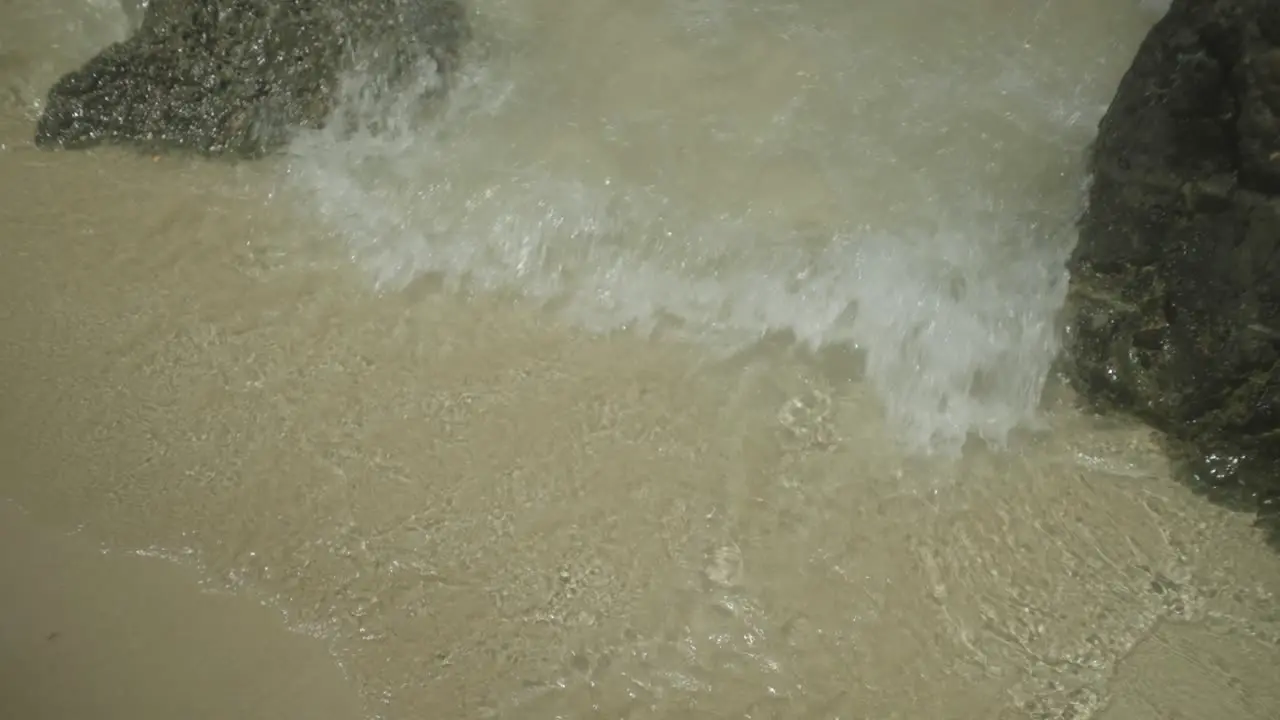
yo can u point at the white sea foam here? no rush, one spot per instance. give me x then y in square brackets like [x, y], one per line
[812, 178]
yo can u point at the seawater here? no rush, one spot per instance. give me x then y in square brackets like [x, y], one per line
[566, 396]
[898, 177]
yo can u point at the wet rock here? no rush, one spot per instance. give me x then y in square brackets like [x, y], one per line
[1175, 290]
[236, 76]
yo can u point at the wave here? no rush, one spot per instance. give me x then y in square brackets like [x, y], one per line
[643, 175]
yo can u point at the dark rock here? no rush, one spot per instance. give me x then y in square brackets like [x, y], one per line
[236, 76]
[1175, 290]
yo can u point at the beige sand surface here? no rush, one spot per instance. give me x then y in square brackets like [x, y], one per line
[117, 636]
[488, 513]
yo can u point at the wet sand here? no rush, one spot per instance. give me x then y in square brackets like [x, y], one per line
[88, 634]
[472, 502]
[487, 512]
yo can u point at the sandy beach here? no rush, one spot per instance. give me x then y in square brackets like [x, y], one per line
[88, 634]
[449, 502]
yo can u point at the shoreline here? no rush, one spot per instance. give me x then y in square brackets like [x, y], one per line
[485, 512]
[91, 633]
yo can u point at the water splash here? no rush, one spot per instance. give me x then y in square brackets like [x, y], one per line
[653, 180]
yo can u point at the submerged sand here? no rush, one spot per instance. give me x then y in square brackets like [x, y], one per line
[486, 513]
[476, 510]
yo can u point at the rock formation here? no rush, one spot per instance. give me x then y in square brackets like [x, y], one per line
[1175, 289]
[235, 76]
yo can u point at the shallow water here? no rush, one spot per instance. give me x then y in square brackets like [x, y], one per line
[631, 382]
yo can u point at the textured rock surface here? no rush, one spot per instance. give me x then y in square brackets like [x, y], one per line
[235, 76]
[1176, 280]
